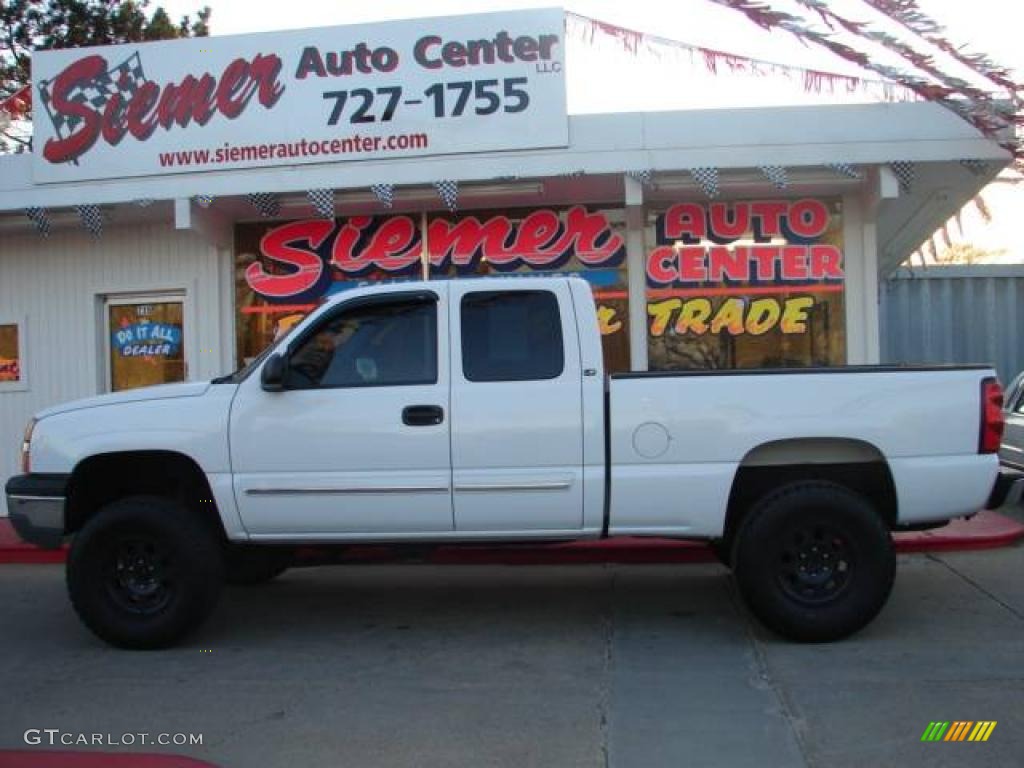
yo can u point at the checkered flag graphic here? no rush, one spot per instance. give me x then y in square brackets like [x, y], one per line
[40, 218]
[707, 179]
[845, 169]
[645, 176]
[124, 79]
[264, 202]
[385, 193]
[449, 192]
[91, 218]
[776, 174]
[976, 167]
[322, 201]
[203, 201]
[904, 173]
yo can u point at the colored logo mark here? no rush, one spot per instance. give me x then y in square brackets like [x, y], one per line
[959, 730]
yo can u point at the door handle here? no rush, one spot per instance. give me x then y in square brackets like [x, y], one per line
[422, 415]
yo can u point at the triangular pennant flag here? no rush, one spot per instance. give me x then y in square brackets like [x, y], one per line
[645, 176]
[976, 167]
[323, 202]
[904, 173]
[707, 180]
[845, 169]
[449, 192]
[204, 201]
[40, 218]
[91, 218]
[385, 193]
[264, 202]
[776, 174]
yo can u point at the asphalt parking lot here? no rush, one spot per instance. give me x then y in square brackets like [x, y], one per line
[535, 666]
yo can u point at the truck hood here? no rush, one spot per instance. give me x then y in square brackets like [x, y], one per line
[161, 392]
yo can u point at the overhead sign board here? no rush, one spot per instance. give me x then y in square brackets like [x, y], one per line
[457, 84]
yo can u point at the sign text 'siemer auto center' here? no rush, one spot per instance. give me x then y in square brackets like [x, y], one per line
[187, 201]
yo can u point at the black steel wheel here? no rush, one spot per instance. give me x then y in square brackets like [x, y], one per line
[814, 561]
[144, 571]
[140, 575]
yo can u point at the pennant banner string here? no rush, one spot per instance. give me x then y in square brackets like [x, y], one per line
[920, 60]
[768, 18]
[813, 80]
[909, 15]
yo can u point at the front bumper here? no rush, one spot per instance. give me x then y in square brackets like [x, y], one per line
[1008, 490]
[36, 506]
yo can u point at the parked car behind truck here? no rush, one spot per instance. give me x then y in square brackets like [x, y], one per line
[470, 411]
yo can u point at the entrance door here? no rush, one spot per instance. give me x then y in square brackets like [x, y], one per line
[145, 341]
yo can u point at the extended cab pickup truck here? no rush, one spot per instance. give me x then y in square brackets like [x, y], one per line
[477, 410]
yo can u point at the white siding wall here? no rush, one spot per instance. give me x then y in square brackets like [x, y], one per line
[58, 284]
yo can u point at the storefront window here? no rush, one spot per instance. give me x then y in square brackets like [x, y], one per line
[10, 354]
[284, 269]
[746, 284]
[146, 343]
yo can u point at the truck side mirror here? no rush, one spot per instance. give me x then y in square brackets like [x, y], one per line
[273, 373]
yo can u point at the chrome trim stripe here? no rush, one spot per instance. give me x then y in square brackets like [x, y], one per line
[345, 491]
[560, 485]
[20, 497]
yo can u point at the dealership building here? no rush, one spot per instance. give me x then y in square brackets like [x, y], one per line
[187, 201]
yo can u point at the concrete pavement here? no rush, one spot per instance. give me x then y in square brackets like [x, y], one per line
[614, 665]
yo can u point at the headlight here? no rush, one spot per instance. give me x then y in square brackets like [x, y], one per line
[26, 448]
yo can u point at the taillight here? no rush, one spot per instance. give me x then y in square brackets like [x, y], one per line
[991, 416]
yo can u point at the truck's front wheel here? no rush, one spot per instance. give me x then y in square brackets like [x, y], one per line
[814, 561]
[143, 572]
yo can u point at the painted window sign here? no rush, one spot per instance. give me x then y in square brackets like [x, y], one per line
[760, 270]
[146, 342]
[746, 284]
[303, 255]
[284, 269]
[10, 358]
[147, 339]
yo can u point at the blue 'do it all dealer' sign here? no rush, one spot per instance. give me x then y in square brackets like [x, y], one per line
[147, 340]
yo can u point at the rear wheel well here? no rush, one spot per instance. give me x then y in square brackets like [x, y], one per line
[101, 479]
[864, 471]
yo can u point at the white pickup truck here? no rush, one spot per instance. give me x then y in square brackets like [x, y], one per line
[477, 410]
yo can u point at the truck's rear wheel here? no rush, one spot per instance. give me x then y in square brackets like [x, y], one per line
[247, 566]
[814, 561]
[143, 572]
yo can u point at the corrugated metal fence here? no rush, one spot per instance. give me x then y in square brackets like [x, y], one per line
[962, 314]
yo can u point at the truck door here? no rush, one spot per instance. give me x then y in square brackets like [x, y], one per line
[358, 441]
[517, 424]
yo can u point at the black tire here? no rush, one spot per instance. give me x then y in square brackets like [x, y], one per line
[722, 551]
[144, 572]
[814, 561]
[247, 566]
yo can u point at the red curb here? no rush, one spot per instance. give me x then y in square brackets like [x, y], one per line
[49, 759]
[986, 530]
